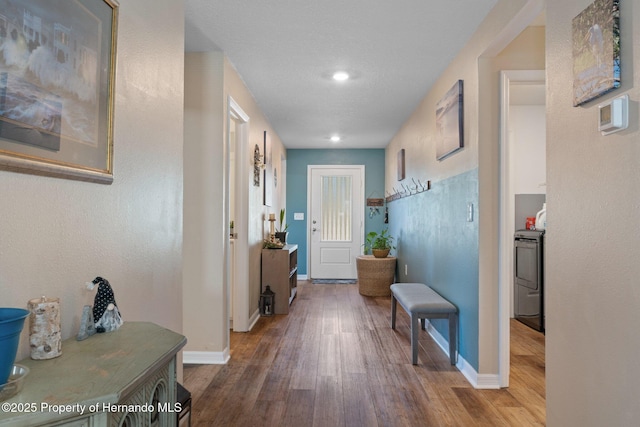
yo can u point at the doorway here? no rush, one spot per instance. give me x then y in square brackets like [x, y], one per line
[522, 171]
[522, 93]
[336, 220]
[505, 53]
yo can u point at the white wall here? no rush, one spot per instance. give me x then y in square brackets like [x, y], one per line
[527, 146]
[56, 234]
[205, 233]
[593, 292]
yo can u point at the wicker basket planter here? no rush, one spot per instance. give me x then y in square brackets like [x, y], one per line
[375, 275]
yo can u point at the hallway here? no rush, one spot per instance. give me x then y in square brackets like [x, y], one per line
[334, 361]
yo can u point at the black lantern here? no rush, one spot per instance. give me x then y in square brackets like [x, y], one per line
[267, 302]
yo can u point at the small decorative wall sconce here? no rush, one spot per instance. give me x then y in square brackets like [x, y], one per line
[257, 165]
[267, 302]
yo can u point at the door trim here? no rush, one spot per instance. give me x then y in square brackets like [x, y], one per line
[241, 303]
[361, 168]
[507, 223]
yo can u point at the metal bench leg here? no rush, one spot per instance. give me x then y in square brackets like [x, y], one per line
[393, 311]
[415, 328]
[453, 337]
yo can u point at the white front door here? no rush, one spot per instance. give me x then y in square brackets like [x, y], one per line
[336, 220]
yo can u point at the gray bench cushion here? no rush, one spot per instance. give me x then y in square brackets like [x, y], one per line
[420, 298]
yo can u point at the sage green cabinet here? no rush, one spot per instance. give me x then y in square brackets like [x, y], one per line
[126, 377]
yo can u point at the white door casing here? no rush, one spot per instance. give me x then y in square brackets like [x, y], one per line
[336, 220]
[507, 213]
[240, 298]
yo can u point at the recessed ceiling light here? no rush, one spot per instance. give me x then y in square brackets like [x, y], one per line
[340, 76]
[335, 138]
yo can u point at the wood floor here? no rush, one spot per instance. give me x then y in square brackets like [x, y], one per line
[334, 361]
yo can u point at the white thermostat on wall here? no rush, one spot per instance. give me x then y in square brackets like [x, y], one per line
[613, 116]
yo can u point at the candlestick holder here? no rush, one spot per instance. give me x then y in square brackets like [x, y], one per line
[272, 228]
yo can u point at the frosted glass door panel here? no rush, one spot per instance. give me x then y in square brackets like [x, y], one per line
[336, 209]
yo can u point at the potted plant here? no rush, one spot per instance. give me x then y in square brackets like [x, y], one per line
[380, 244]
[281, 230]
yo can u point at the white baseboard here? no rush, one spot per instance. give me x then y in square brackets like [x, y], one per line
[214, 357]
[478, 381]
[254, 319]
[205, 357]
[303, 277]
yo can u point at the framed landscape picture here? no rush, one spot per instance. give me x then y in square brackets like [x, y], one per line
[596, 51]
[57, 73]
[450, 122]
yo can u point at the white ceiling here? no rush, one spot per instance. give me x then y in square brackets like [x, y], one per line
[287, 50]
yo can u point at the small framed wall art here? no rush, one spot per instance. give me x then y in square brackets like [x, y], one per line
[401, 165]
[596, 51]
[450, 122]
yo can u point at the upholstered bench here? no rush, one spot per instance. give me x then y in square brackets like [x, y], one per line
[421, 302]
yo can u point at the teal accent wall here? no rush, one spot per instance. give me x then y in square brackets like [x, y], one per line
[297, 162]
[440, 249]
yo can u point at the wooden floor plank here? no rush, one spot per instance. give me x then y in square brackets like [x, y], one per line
[328, 409]
[334, 360]
[359, 409]
[299, 408]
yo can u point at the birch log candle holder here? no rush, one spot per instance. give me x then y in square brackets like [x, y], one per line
[44, 328]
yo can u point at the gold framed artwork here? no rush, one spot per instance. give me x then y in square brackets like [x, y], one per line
[57, 75]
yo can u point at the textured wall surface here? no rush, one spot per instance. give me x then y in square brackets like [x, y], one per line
[440, 248]
[56, 234]
[203, 247]
[593, 297]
